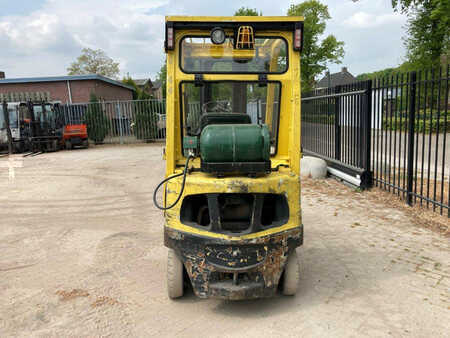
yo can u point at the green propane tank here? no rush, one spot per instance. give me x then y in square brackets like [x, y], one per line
[235, 143]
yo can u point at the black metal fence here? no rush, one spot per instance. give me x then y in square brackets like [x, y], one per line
[336, 127]
[411, 144]
[407, 121]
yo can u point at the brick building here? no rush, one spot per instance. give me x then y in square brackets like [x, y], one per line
[70, 89]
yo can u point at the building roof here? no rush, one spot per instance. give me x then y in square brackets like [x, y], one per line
[67, 78]
[337, 79]
[142, 82]
[156, 84]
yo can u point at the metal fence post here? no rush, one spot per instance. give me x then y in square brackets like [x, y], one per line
[411, 125]
[367, 136]
[120, 123]
[337, 127]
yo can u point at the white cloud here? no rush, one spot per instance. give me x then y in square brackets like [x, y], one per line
[367, 20]
[45, 41]
[124, 29]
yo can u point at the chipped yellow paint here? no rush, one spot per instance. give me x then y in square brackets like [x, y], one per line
[277, 182]
[285, 181]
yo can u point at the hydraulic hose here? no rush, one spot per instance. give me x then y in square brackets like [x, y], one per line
[184, 173]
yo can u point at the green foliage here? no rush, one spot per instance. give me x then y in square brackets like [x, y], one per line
[388, 73]
[138, 93]
[421, 126]
[320, 119]
[316, 54]
[428, 40]
[162, 76]
[246, 11]
[405, 5]
[427, 120]
[377, 74]
[130, 82]
[94, 62]
[146, 119]
[96, 121]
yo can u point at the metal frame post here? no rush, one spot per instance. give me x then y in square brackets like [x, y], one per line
[337, 127]
[367, 135]
[119, 115]
[411, 124]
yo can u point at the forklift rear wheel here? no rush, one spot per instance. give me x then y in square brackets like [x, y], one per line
[19, 147]
[68, 145]
[174, 275]
[291, 275]
[55, 145]
[85, 143]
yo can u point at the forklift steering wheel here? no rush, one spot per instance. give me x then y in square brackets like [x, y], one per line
[219, 107]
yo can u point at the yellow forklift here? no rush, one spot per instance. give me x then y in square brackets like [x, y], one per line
[231, 196]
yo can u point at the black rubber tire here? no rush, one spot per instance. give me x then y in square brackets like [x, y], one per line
[18, 147]
[175, 287]
[85, 144]
[55, 145]
[68, 145]
[291, 275]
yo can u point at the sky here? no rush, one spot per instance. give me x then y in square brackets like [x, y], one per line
[43, 37]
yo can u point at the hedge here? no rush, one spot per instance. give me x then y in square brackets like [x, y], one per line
[96, 121]
[419, 126]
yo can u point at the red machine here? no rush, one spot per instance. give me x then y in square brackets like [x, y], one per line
[75, 135]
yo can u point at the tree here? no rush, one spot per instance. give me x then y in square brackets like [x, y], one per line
[316, 54]
[96, 121]
[162, 77]
[138, 93]
[94, 62]
[428, 33]
[245, 11]
[404, 5]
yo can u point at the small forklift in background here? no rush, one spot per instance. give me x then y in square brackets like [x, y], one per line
[45, 125]
[231, 196]
[74, 134]
[35, 126]
[74, 130]
[17, 140]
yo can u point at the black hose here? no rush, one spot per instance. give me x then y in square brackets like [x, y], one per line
[185, 171]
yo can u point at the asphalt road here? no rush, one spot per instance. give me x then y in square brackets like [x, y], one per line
[82, 255]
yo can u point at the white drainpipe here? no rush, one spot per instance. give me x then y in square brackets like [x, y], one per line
[69, 91]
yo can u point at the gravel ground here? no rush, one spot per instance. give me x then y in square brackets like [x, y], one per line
[82, 255]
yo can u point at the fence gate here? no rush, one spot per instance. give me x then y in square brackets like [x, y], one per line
[336, 126]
